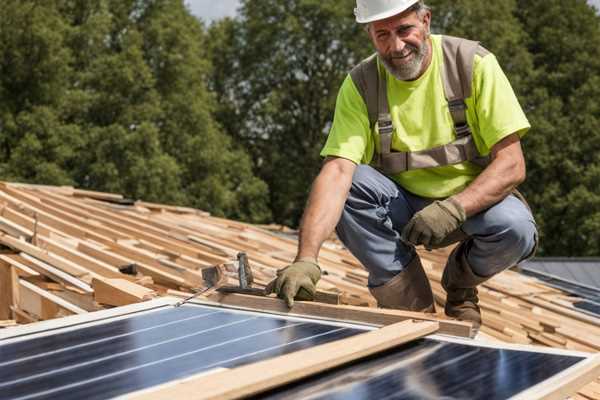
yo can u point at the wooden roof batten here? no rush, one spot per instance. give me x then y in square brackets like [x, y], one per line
[68, 251]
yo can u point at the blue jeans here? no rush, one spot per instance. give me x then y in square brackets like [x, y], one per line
[377, 209]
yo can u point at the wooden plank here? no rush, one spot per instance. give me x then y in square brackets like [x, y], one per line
[565, 384]
[373, 316]
[24, 271]
[123, 226]
[255, 378]
[59, 302]
[7, 323]
[66, 190]
[81, 259]
[49, 221]
[97, 195]
[14, 229]
[151, 266]
[49, 271]
[6, 291]
[54, 260]
[112, 257]
[120, 292]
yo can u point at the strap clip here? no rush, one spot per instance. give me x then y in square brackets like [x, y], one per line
[384, 124]
[462, 130]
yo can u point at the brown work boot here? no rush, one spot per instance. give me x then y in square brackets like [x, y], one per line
[409, 290]
[460, 283]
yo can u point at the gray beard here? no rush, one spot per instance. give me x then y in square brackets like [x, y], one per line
[409, 71]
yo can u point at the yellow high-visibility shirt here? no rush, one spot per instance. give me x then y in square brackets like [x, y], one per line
[422, 120]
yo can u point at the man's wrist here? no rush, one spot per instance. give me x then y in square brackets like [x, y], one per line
[458, 211]
[307, 259]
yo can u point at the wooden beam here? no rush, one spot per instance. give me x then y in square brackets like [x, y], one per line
[14, 230]
[375, 316]
[252, 379]
[52, 259]
[6, 291]
[114, 258]
[7, 323]
[48, 271]
[81, 259]
[97, 195]
[565, 384]
[120, 292]
[49, 297]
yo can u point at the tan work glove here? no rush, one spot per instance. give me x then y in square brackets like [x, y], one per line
[296, 281]
[431, 225]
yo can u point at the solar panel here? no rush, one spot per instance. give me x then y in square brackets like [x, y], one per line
[101, 356]
[431, 369]
[97, 361]
[591, 307]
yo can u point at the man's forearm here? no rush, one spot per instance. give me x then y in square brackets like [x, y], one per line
[325, 205]
[505, 172]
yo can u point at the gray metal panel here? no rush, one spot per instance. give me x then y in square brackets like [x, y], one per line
[583, 271]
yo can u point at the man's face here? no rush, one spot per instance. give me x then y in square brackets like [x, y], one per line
[402, 43]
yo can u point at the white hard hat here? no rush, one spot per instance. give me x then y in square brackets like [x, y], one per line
[373, 10]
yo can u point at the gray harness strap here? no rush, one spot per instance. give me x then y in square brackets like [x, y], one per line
[456, 75]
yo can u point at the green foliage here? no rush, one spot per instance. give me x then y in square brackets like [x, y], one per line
[111, 95]
[277, 71]
[563, 150]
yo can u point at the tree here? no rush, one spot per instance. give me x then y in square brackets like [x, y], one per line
[111, 95]
[277, 71]
[563, 156]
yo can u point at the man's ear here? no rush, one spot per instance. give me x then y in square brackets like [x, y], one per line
[427, 20]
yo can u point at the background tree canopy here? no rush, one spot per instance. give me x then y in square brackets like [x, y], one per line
[139, 97]
[111, 95]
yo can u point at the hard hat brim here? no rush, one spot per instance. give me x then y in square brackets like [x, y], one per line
[387, 14]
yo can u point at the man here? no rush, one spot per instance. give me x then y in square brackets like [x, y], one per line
[381, 216]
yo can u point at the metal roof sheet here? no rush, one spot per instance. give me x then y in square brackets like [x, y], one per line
[582, 271]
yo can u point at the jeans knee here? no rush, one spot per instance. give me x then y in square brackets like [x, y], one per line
[520, 236]
[513, 240]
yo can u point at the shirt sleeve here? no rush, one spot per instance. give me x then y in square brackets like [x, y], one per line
[498, 110]
[350, 132]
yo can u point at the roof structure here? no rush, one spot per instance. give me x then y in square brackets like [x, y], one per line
[69, 251]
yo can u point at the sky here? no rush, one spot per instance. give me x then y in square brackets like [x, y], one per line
[210, 10]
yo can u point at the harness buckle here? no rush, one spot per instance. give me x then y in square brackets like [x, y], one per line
[462, 130]
[385, 125]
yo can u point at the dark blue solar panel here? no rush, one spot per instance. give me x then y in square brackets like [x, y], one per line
[428, 369]
[117, 357]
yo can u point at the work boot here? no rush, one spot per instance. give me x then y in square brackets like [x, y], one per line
[460, 283]
[409, 290]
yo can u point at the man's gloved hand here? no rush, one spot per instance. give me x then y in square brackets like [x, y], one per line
[431, 225]
[296, 281]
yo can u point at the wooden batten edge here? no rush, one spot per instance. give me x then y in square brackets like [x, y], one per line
[343, 313]
[244, 381]
[564, 384]
[60, 302]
